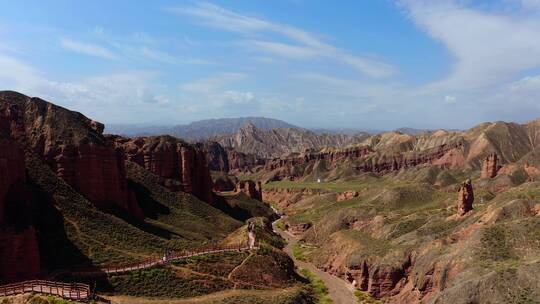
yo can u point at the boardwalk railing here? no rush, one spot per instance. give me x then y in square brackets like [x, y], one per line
[160, 261]
[81, 292]
[74, 291]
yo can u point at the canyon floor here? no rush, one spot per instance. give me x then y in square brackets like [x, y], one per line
[339, 290]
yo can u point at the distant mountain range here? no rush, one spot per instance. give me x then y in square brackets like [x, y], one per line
[205, 129]
[200, 130]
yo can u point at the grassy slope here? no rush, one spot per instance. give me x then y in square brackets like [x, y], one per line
[292, 295]
[83, 234]
[205, 275]
[182, 214]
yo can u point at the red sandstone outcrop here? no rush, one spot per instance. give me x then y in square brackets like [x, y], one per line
[11, 168]
[19, 250]
[250, 188]
[347, 195]
[465, 198]
[396, 162]
[73, 146]
[288, 167]
[490, 166]
[380, 280]
[20, 254]
[181, 166]
[298, 229]
[242, 162]
[445, 156]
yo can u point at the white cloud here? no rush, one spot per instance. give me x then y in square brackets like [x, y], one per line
[211, 84]
[489, 48]
[237, 98]
[98, 31]
[152, 54]
[531, 4]
[449, 99]
[528, 83]
[283, 49]
[87, 49]
[102, 97]
[16, 75]
[306, 44]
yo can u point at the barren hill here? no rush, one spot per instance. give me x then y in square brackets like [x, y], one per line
[278, 142]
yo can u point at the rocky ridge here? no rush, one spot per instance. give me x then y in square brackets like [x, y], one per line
[490, 145]
[278, 142]
[228, 159]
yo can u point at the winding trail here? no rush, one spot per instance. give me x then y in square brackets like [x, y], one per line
[340, 291]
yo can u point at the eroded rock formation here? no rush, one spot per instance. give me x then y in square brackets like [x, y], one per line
[181, 166]
[380, 280]
[250, 188]
[490, 166]
[347, 195]
[465, 198]
[384, 163]
[369, 160]
[73, 146]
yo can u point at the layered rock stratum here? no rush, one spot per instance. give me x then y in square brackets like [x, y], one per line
[73, 146]
[489, 146]
[181, 166]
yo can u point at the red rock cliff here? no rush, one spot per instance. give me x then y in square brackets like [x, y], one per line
[19, 250]
[73, 146]
[490, 166]
[250, 188]
[181, 167]
[368, 160]
[465, 197]
[11, 168]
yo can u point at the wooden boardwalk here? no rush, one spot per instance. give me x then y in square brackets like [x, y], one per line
[74, 291]
[81, 292]
[159, 261]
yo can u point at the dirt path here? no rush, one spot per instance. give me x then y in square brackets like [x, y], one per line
[340, 291]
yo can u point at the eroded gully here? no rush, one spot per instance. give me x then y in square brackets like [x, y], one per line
[339, 290]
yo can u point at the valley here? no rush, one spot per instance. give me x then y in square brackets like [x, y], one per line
[436, 217]
[339, 291]
[270, 152]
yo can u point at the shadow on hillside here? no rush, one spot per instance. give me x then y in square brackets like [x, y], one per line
[234, 211]
[27, 205]
[242, 208]
[151, 209]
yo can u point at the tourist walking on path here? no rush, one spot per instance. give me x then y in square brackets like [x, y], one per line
[251, 235]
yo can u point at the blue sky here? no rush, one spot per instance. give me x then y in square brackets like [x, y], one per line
[376, 64]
